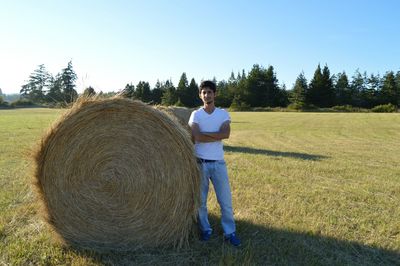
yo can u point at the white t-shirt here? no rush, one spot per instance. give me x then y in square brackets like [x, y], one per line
[209, 123]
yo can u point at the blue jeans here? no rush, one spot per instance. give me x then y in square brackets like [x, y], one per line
[217, 173]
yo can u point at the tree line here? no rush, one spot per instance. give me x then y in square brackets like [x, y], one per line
[257, 88]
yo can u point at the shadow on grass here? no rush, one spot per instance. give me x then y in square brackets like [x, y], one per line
[261, 245]
[296, 155]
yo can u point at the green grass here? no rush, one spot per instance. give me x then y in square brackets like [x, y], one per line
[308, 188]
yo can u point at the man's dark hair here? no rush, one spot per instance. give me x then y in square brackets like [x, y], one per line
[207, 84]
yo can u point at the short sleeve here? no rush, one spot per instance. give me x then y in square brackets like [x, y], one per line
[226, 116]
[192, 118]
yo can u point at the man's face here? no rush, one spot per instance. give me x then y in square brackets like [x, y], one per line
[207, 95]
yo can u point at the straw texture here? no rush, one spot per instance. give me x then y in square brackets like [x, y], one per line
[118, 174]
[182, 114]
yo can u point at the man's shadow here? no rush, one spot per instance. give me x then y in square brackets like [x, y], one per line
[296, 155]
[263, 245]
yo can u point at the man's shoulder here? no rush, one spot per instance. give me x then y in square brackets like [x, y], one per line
[195, 116]
[222, 112]
[197, 111]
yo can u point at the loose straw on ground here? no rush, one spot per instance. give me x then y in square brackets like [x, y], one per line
[118, 174]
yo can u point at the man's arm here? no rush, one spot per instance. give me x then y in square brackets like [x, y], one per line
[199, 136]
[223, 133]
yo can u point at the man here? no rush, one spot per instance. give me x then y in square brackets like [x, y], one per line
[209, 125]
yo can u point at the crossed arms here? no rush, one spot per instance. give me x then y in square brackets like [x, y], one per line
[223, 133]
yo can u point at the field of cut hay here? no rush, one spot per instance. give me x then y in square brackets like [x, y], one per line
[308, 188]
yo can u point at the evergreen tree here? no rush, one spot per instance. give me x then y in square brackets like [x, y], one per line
[37, 85]
[389, 93]
[68, 77]
[261, 88]
[272, 95]
[328, 89]
[157, 93]
[255, 86]
[183, 90]
[143, 92]
[170, 96]
[358, 87]
[342, 90]
[223, 98]
[193, 94]
[55, 94]
[232, 89]
[243, 75]
[397, 81]
[129, 91]
[321, 92]
[370, 96]
[299, 92]
[239, 77]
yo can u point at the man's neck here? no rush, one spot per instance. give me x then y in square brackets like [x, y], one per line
[209, 108]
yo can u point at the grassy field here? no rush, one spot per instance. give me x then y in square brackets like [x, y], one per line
[308, 189]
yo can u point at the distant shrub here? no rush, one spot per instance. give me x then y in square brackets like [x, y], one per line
[344, 108]
[22, 103]
[385, 108]
[58, 105]
[296, 106]
[3, 103]
[262, 109]
[239, 107]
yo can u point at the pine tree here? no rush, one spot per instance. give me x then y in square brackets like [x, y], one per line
[321, 92]
[193, 94]
[55, 94]
[358, 86]
[389, 93]
[157, 93]
[170, 96]
[371, 93]
[328, 89]
[143, 92]
[223, 98]
[68, 77]
[182, 90]
[261, 88]
[254, 87]
[37, 85]
[129, 91]
[397, 81]
[342, 90]
[299, 91]
[272, 95]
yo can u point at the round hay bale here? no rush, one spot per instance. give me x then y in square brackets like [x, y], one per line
[180, 113]
[118, 174]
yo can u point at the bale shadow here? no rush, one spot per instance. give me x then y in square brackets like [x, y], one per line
[261, 245]
[296, 155]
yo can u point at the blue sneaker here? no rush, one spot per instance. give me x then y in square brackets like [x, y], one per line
[205, 235]
[233, 239]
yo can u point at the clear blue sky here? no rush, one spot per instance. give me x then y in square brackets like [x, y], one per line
[112, 43]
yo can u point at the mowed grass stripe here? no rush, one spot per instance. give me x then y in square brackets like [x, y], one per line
[347, 191]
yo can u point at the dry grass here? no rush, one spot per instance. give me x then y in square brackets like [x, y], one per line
[182, 114]
[117, 174]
